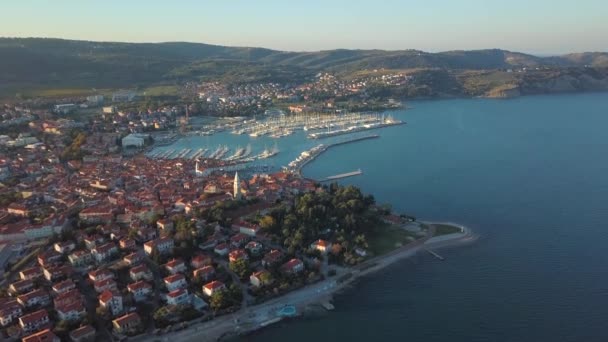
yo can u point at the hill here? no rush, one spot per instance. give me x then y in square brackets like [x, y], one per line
[41, 63]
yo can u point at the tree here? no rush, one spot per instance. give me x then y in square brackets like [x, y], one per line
[267, 222]
[240, 267]
[218, 300]
[235, 295]
[102, 313]
[266, 277]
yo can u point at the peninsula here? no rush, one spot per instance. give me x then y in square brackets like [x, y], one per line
[121, 242]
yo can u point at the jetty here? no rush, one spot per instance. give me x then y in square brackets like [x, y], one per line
[343, 175]
[435, 254]
[310, 155]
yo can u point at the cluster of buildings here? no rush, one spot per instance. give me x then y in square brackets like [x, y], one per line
[117, 213]
[122, 238]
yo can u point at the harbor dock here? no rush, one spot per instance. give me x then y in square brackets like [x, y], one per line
[310, 155]
[435, 254]
[343, 175]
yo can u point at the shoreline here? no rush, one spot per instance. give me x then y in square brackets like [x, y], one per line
[237, 324]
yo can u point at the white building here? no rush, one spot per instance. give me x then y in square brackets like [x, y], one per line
[64, 108]
[123, 96]
[137, 140]
[112, 301]
[237, 186]
[178, 297]
[95, 99]
[109, 110]
[175, 282]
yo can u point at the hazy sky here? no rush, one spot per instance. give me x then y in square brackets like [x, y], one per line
[537, 26]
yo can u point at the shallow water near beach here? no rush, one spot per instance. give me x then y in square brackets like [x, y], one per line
[529, 175]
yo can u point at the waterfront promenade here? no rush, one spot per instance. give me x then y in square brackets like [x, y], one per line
[250, 318]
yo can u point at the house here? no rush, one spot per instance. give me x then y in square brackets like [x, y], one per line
[174, 282]
[104, 252]
[146, 234]
[260, 278]
[222, 249]
[33, 298]
[178, 297]
[163, 245]
[34, 321]
[80, 258]
[71, 311]
[59, 272]
[239, 240]
[64, 247]
[140, 290]
[21, 286]
[136, 140]
[321, 246]
[246, 228]
[254, 247]
[200, 260]
[103, 285]
[83, 334]
[30, 273]
[68, 298]
[165, 225]
[92, 241]
[100, 274]
[133, 258]
[175, 266]
[18, 209]
[126, 243]
[45, 335]
[237, 254]
[10, 310]
[96, 214]
[112, 301]
[48, 258]
[204, 273]
[140, 272]
[293, 266]
[272, 258]
[127, 323]
[64, 286]
[210, 288]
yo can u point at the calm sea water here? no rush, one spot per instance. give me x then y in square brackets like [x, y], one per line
[530, 175]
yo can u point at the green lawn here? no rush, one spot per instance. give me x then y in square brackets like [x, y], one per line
[389, 238]
[445, 229]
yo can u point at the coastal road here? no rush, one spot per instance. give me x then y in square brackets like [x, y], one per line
[254, 315]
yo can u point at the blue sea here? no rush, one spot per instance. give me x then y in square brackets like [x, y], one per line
[529, 175]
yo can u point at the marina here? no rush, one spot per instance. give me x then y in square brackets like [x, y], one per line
[357, 128]
[285, 125]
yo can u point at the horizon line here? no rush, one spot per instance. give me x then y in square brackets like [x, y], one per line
[545, 54]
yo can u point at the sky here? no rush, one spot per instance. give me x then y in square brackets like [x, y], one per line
[534, 26]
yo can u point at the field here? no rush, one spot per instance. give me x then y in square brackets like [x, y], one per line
[388, 239]
[445, 229]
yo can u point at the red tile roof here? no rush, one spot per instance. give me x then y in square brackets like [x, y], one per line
[214, 285]
[42, 336]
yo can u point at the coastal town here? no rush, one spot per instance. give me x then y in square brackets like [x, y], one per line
[102, 238]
